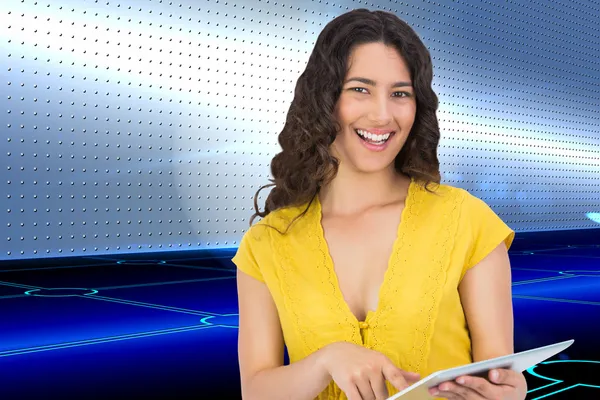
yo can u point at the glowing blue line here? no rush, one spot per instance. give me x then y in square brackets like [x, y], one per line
[102, 340]
[51, 268]
[165, 283]
[544, 387]
[149, 305]
[28, 293]
[140, 262]
[527, 252]
[582, 273]
[203, 320]
[230, 250]
[552, 255]
[200, 267]
[567, 388]
[558, 391]
[13, 296]
[517, 296]
[531, 371]
[568, 361]
[204, 258]
[19, 286]
[535, 269]
[552, 278]
[112, 263]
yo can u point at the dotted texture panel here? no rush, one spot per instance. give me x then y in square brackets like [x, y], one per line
[149, 125]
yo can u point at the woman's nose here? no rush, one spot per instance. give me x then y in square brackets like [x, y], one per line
[380, 112]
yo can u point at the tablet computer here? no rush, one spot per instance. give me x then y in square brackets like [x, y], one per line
[518, 362]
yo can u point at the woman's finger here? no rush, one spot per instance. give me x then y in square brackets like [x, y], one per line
[378, 385]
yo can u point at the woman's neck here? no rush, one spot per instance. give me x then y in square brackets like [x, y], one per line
[352, 192]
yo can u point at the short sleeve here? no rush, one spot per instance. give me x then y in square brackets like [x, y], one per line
[245, 257]
[486, 230]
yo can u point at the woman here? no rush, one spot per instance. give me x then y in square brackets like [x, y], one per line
[363, 265]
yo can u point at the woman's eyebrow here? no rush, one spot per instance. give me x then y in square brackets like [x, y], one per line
[371, 82]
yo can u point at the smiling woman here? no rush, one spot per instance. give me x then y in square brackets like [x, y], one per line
[364, 265]
[391, 74]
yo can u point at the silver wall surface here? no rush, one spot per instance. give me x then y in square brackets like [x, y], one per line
[137, 126]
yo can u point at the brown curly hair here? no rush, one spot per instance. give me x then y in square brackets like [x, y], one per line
[305, 164]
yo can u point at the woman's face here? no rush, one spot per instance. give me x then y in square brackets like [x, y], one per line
[376, 109]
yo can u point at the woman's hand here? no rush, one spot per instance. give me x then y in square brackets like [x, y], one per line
[361, 373]
[503, 384]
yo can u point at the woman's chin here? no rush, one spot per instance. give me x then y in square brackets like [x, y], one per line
[372, 166]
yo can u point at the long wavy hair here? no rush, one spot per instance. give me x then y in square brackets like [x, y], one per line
[305, 163]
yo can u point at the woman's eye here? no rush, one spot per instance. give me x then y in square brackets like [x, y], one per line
[365, 91]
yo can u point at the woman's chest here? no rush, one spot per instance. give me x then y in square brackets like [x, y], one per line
[360, 252]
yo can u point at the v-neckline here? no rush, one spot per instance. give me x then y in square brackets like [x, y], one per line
[391, 259]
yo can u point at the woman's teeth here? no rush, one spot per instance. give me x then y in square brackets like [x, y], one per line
[372, 138]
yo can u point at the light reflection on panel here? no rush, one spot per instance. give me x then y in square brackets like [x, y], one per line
[149, 125]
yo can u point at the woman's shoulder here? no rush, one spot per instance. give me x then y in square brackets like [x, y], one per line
[439, 194]
[445, 197]
[468, 207]
[279, 222]
[262, 238]
[459, 195]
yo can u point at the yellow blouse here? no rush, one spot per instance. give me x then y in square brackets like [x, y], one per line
[419, 323]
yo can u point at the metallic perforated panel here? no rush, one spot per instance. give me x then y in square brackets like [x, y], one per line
[149, 125]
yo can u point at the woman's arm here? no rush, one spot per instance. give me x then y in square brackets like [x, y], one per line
[487, 301]
[486, 296]
[260, 349]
